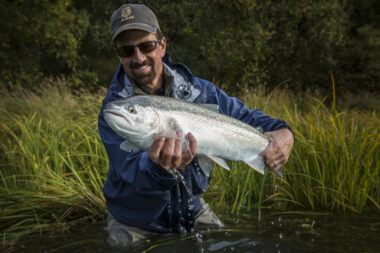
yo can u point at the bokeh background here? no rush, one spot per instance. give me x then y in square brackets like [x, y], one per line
[297, 44]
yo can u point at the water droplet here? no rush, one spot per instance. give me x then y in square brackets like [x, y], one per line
[281, 235]
[182, 230]
[199, 237]
[279, 219]
[277, 245]
[272, 223]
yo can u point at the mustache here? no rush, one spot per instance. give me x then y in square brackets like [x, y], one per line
[135, 65]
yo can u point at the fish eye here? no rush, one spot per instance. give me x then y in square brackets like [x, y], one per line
[131, 109]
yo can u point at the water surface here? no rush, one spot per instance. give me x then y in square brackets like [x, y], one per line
[274, 233]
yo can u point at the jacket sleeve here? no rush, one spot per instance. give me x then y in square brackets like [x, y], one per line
[237, 109]
[133, 168]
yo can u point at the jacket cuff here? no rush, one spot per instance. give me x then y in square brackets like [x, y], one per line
[290, 129]
[163, 177]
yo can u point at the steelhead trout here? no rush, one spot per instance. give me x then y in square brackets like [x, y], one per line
[142, 119]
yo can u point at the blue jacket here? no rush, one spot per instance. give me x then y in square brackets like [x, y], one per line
[141, 194]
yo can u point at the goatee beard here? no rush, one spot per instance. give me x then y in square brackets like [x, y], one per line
[143, 79]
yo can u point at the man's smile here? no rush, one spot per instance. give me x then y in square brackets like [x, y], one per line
[143, 69]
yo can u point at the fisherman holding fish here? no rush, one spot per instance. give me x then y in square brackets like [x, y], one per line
[156, 178]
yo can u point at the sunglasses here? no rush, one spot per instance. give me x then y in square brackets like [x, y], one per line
[145, 47]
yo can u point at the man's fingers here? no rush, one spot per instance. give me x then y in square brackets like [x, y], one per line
[155, 149]
[167, 153]
[192, 144]
[276, 165]
[273, 156]
[177, 154]
[275, 161]
[189, 154]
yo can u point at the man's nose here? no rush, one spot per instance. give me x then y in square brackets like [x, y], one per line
[138, 56]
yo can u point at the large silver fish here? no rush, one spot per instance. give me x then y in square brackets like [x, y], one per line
[142, 119]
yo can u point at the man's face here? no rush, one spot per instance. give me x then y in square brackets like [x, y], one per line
[143, 68]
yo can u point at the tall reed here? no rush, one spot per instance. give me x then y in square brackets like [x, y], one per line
[53, 164]
[334, 165]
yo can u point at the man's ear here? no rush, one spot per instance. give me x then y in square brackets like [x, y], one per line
[163, 46]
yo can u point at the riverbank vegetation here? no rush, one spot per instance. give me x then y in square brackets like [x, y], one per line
[53, 164]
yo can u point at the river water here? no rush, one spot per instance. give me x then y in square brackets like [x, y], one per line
[277, 233]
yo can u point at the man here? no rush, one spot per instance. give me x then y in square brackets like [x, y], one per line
[143, 194]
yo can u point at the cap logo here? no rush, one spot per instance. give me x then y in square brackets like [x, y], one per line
[126, 14]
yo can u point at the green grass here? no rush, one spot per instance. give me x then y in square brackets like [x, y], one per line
[53, 164]
[334, 165]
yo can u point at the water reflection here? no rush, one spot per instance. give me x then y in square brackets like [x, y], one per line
[274, 233]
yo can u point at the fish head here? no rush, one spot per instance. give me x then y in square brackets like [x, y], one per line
[130, 120]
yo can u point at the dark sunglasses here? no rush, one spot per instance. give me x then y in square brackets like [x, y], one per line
[145, 47]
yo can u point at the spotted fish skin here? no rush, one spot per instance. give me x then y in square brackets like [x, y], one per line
[142, 119]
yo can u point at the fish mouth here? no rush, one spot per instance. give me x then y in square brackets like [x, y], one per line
[116, 113]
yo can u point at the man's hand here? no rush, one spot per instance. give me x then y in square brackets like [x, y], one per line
[168, 153]
[278, 151]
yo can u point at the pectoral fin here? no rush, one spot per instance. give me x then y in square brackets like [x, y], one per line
[167, 134]
[128, 146]
[171, 131]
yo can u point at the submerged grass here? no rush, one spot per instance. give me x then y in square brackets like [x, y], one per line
[53, 164]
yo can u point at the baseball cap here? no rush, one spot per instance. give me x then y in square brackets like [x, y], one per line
[133, 16]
